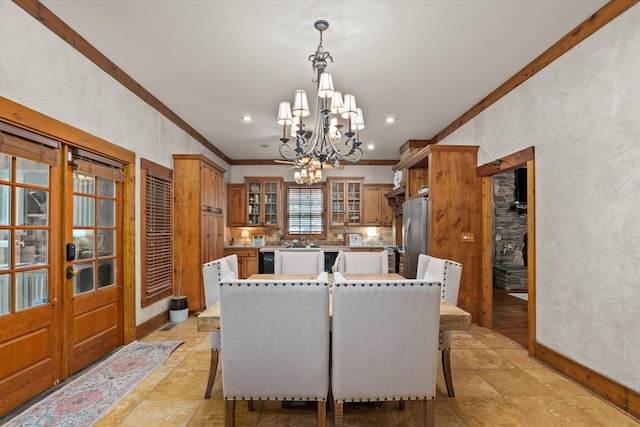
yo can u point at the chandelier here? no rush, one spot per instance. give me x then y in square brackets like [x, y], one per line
[309, 175]
[327, 142]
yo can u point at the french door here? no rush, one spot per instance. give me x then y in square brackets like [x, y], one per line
[29, 289]
[61, 268]
[93, 275]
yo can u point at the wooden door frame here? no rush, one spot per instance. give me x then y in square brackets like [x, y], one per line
[485, 173]
[26, 118]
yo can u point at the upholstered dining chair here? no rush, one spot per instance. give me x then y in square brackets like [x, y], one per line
[448, 273]
[357, 262]
[298, 262]
[275, 337]
[405, 315]
[423, 261]
[212, 274]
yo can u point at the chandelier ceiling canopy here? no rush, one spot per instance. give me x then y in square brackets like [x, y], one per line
[327, 141]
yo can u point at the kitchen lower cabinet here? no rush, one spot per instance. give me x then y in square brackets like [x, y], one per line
[247, 260]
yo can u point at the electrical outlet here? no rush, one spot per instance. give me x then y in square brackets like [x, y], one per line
[340, 236]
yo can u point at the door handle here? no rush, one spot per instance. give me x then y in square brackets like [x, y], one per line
[71, 272]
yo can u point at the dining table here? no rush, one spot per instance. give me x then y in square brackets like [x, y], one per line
[451, 316]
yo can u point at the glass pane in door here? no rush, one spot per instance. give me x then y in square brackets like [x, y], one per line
[31, 247]
[106, 213]
[5, 294]
[5, 167]
[31, 288]
[84, 281]
[106, 242]
[106, 272]
[32, 173]
[5, 205]
[5, 249]
[32, 206]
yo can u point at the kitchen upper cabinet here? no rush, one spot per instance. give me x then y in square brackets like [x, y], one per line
[263, 201]
[237, 202]
[377, 212]
[212, 182]
[199, 194]
[345, 201]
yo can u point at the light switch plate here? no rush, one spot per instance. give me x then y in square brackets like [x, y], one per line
[468, 237]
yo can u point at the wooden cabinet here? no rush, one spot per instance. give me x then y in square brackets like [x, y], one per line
[263, 201]
[377, 212]
[198, 222]
[247, 260]
[345, 201]
[454, 210]
[236, 205]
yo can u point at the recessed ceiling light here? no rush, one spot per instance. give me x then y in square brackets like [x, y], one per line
[390, 120]
[247, 118]
[371, 146]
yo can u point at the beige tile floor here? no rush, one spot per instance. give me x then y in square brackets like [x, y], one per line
[496, 383]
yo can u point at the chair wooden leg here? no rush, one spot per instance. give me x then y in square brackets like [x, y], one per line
[322, 413]
[338, 408]
[446, 369]
[401, 405]
[213, 367]
[429, 412]
[229, 413]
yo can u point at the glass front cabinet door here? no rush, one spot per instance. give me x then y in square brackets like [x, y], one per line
[263, 197]
[346, 202]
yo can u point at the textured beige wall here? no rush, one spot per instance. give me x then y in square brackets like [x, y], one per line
[582, 114]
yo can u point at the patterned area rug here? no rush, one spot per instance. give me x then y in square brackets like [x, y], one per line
[87, 398]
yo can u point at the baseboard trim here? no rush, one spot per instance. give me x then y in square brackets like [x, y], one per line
[152, 324]
[617, 394]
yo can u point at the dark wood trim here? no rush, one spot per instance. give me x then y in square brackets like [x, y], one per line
[415, 143]
[267, 162]
[619, 395]
[151, 325]
[418, 158]
[200, 158]
[531, 253]
[486, 251]
[66, 33]
[602, 17]
[26, 118]
[506, 163]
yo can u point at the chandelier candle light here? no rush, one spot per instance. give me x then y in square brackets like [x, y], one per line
[309, 175]
[326, 143]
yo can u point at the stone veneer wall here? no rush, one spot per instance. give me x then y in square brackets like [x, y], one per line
[510, 225]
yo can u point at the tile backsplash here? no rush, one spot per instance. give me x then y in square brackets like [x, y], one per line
[384, 235]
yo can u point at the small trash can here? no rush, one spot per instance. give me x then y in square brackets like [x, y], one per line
[178, 309]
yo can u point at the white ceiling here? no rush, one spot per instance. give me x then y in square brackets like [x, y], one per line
[423, 62]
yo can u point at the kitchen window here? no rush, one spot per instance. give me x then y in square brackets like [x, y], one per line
[305, 210]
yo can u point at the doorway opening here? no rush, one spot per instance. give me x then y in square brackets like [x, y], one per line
[508, 258]
[509, 287]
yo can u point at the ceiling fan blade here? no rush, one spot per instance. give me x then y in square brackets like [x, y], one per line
[283, 162]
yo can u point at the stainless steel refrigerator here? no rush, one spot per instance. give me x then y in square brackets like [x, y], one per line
[415, 233]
